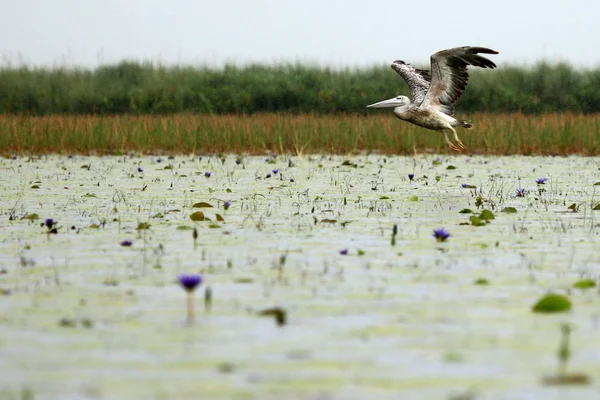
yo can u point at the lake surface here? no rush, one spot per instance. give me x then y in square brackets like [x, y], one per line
[85, 317]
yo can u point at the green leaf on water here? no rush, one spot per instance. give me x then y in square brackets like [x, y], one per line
[35, 186]
[85, 166]
[197, 216]
[384, 198]
[597, 207]
[89, 195]
[466, 211]
[552, 303]
[143, 225]
[184, 228]
[469, 187]
[220, 218]
[481, 281]
[573, 207]
[214, 226]
[597, 184]
[584, 284]
[450, 167]
[360, 252]
[436, 162]
[31, 217]
[413, 198]
[168, 167]
[158, 215]
[509, 210]
[202, 204]
[486, 215]
[329, 221]
[228, 190]
[94, 226]
[476, 221]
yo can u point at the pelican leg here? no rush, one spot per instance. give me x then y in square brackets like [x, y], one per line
[452, 146]
[460, 144]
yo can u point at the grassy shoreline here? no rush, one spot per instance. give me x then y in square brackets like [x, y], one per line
[494, 134]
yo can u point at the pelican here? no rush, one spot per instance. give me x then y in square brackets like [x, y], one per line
[434, 94]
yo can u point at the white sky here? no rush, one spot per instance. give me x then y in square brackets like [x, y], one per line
[335, 32]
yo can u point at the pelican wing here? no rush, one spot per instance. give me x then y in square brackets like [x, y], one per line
[449, 75]
[418, 80]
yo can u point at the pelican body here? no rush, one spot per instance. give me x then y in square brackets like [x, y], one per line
[434, 94]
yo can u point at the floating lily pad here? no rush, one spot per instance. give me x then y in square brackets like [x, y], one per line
[35, 186]
[202, 204]
[469, 187]
[597, 184]
[466, 211]
[197, 216]
[584, 284]
[184, 228]
[509, 210]
[220, 218]
[31, 217]
[142, 226]
[329, 221]
[552, 303]
[481, 281]
[486, 215]
[384, 198]
[89, 195]
[278, 313]
[450, 167]
[597, 207]
[214, 226]
[476, 221]
[413, 198]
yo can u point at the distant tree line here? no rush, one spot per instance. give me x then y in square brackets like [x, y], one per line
[144, 88]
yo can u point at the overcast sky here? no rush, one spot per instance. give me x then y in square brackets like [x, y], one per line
[335, 32]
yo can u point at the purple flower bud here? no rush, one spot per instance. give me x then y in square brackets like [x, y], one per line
[440, 234]
[411, 176]
[226, 205]
[207, 174]
[343, 252]
[126, 243]
[190, 281]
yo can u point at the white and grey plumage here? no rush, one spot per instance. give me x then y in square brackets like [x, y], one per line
[434, 93]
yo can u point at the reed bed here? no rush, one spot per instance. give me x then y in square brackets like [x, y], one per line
[381, 132]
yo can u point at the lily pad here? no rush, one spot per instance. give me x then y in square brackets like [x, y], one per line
[552, 303]
[220, 218]
[31, 217]
[197, 216]
[509, 210]
[184, 228]
[413, 198]
[481, 281]
[476, 221]
[202, 204]
[584, 284]
[466, 211]
[486, 215]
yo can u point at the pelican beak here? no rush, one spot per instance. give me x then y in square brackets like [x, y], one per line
[390, 103]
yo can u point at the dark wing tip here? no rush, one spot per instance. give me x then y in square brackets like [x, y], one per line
[398, 62]
[484, 50]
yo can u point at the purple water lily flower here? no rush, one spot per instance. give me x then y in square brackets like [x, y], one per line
[292, 180]
[207, 174]
[275, 171]
[238, 161]
[541, 181]
[464, 185]
[190, 281]
[49, 223]
[140, 169]
[268, 176]
[440, 234]
[521, 192]
[343, 252]
[411, 176]
[126, 243]
[226, 205]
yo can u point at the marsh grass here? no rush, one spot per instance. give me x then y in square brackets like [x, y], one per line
[494, 134]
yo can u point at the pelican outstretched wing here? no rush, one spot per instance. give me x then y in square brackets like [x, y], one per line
[449, 75]
[418, 80]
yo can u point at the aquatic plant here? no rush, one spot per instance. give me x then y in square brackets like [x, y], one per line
[207, 174]
[394, 233]
[226, 205]
[189, 282]
[541, 181]
[126, 243]
[411, 176]
[275, 171]
[343, 252]
[441, 235]
[552, 303]
[521, 192]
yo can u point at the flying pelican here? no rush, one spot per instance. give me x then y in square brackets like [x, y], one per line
[434, 94]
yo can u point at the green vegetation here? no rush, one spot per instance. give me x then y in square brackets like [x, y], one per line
[555, 134]
[143, 88]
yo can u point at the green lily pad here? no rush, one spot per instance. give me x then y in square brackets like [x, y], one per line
[143, 225]
[450, 167]
[476, 221]
[584, 284]
[413, 198]
[184, 228]
[31, 217]
[509, 210]
[466, 211]
[486, 215]
[481, 281]
[552, 303]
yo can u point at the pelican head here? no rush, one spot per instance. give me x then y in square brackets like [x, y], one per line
[394, 102]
